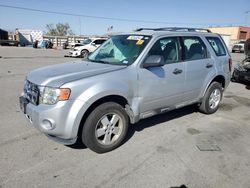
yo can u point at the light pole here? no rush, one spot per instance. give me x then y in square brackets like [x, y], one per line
[246, 17]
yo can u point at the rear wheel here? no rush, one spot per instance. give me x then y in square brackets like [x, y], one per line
[84, 54]
[105, 128]
[211, 100]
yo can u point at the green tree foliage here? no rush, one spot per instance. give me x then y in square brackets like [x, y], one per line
[61, 29]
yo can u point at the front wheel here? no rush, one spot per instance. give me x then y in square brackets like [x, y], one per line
[84, 54]
[211, 100]
[234, 78]
[105, 128]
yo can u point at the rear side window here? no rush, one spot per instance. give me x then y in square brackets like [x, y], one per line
[194, 48]
[99, 41]
[217, 45]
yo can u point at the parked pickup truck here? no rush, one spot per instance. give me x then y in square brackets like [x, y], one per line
[131, 76]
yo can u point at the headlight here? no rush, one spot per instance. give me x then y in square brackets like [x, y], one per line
[50, 95]
[240, 67]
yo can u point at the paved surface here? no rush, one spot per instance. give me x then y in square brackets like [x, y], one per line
[162, 151]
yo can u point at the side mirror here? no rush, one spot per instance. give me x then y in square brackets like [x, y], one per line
[93, 44]
[154, 61]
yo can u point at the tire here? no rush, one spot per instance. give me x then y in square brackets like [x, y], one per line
[84, 54]
[99, 134]
[211, 100]
[234, 78]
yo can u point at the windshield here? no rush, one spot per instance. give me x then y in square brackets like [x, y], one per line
[87, 41]
[120, 49]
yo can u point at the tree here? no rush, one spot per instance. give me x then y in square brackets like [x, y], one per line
[61, 29]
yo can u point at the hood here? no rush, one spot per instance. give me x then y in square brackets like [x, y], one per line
[79, 48]
[57, 75]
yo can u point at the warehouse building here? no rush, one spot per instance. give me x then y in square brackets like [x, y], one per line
[236, 32]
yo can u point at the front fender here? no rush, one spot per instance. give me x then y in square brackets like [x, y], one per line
[91, 95]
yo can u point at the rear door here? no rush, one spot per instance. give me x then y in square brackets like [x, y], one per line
[221, 54]
[199, 66]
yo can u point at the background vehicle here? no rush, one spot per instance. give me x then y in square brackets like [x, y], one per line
[44, 44]
[5, 41]
[238, 47]
[78, 43]
[132, 76]
[87, 47]
[241, 73]
[85, 42]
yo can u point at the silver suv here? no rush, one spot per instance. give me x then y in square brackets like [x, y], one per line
[131, 76]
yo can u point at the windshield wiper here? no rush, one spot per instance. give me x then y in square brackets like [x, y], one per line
[98, 61]
[106, 62]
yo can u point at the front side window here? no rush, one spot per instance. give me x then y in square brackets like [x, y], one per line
[168, 48]
[217, 45]
[194, 48]
[120, 49]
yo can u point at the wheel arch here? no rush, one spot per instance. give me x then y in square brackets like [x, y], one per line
[85, 50]
[109, 98]
[220, 79]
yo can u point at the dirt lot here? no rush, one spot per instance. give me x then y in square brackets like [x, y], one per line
[183, 147]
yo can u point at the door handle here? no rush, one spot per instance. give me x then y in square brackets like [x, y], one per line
[177, 71]
[209, 65]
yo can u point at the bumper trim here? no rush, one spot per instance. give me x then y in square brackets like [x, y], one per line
[61, 140]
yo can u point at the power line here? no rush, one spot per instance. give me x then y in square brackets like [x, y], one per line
[94, 17]
[109, 18]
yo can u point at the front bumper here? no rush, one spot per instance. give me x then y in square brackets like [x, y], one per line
[75, 54]
[62, 117]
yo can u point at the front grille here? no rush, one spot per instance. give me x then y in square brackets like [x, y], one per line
[31, 92]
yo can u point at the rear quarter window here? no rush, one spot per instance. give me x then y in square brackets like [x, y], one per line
[217, 46]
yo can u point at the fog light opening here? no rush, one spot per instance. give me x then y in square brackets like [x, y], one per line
[48, 125]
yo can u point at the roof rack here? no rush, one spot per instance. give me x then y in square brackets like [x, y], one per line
[175, 29]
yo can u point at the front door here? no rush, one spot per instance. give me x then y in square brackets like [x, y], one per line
[161, 87]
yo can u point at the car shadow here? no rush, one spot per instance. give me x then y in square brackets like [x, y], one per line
[78, 145]
[147, 123]
[155, 120]
[182, 186]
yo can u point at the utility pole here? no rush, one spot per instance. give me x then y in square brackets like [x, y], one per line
[80, 26]
[246, 20]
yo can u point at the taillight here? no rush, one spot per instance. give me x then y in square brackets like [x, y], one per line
[230, 63]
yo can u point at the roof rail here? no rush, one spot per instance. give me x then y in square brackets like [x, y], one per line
[175, 29]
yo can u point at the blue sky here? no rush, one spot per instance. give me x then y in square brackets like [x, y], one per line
[189, 13]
